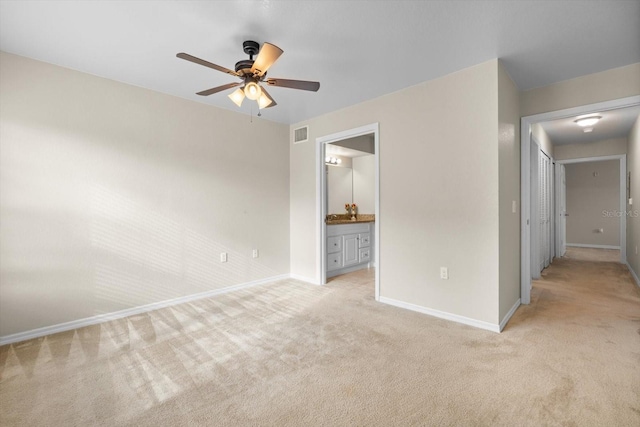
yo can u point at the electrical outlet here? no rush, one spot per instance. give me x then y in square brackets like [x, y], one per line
[255, 253]
[514, 206]
[444, 273]
[223, 257]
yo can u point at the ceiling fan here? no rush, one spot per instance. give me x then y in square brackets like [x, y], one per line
[251, 73]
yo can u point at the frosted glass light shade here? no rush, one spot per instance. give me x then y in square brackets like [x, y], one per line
[252, 91]
[237, 96]
[588, 121]
[264, 101]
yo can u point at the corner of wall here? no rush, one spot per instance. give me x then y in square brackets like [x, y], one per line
[509, 194]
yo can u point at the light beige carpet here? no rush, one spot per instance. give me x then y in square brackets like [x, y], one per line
[291, 354]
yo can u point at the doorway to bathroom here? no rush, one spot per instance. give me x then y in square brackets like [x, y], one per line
[347, 161]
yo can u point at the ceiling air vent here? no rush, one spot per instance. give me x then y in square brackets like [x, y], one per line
[301, 134]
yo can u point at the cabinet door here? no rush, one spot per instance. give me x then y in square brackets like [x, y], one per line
[365, 255]
[350, 249]
[334, 244]
[334, 261]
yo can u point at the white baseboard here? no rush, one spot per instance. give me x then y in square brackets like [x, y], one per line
[509, 314]
[443, 315]
[580, 245]
[101, 318]
[633, 274]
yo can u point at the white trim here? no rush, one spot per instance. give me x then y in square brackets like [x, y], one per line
[581, 245]
[101, 318]
[509, 314]
[633, 274]
[592, 159]
[525, 143]
[321, 185]
[442, 314]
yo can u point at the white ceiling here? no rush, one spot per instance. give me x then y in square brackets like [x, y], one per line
[336, 150]
[358, 50]
[614, 124]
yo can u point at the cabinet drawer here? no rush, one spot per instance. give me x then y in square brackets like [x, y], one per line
[364, 240]
[365, 255]
[334, 244]
[334, 261]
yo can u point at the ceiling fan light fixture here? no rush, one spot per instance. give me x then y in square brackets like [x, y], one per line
[264, 101]
[587, 121]
[237, 96]
[252, 90]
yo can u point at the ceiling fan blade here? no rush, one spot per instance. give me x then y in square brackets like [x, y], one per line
[266, 94]
[294, 84]
[217, 89]
[199, 61]
[269, 53]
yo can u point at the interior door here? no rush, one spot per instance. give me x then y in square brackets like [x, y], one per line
[544, 210]
[547, 210]
[552, 210]
[542, 221]
[562, 212]
[534, 213]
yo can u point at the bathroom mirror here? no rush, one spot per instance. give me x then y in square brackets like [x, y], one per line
[350, 168]
[339, 188]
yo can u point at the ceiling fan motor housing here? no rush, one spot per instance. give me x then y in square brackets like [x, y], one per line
[244, 67]
[251, 48]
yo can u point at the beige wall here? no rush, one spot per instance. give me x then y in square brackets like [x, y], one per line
[543, 140]
[113, 196]
[607, 147]
[605, 86]
[509, 175]
[364, 184]
[439, 193]
[633, 218]
[593, 203]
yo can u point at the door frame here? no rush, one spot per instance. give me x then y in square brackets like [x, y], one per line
[321, 199]
[525, 143]
[623, 195]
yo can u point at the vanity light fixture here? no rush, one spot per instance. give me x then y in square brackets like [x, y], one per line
[332, 160]
[587, 121]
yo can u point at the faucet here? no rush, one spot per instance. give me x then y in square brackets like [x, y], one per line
[332, 216]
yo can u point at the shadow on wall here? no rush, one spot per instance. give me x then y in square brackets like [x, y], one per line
[139, 252]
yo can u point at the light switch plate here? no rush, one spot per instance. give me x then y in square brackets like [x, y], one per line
[514, 206]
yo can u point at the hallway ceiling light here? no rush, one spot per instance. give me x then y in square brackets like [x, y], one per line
[587, 121]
